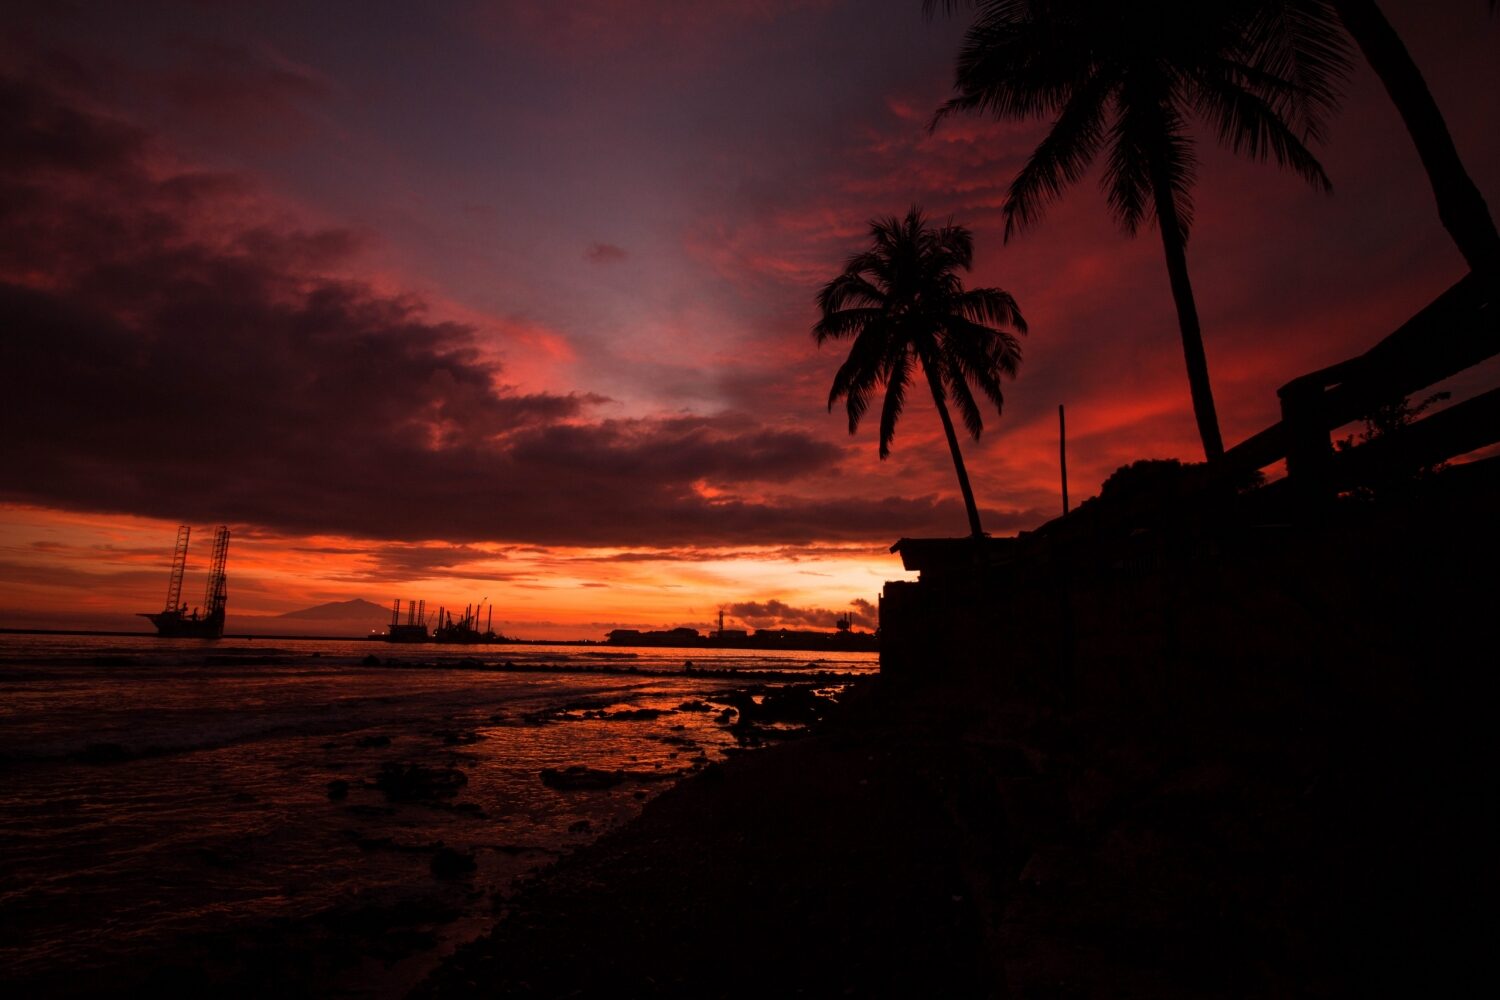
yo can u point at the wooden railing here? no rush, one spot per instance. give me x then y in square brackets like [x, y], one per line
[1456, 331]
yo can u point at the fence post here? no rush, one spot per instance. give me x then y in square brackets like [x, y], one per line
[1309, 452]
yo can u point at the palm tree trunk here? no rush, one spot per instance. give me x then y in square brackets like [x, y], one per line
[1460, 205]
[958, 458]
[1174, 244]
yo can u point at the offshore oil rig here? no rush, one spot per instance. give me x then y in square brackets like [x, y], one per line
[463, 631]
[415, 627]
[175, 622]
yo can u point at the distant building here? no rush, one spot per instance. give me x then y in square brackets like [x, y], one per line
[664, 637]
[733, 638]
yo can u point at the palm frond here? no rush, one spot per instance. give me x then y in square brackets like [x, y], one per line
[953, 249]
[850, 289]
[958, 390]
[991, 305]
[982, 355]
[861, 373]
[1010, 66]
[1248, 124]
[1060, 159]
[1301, 43]
[1127, 174]
[898, 377]
[1151, 156]
[845, 323]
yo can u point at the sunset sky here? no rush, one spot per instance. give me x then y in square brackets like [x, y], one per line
[512, 299]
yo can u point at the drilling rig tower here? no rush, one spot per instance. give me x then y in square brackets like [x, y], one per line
[206, 622]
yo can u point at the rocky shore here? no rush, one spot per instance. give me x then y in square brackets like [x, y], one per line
[826, 866]
[952, 845]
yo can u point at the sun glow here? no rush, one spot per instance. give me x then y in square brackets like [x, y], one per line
[76, 570]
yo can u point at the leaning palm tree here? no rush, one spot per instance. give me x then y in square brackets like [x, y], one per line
[1460, 205]
[1126, 79]
[903, 304]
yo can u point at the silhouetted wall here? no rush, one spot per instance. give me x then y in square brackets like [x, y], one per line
[1369, 605]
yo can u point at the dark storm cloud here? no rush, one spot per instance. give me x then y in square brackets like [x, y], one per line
[170, 355]
[777, 614]
[48, 135]
[238, 85]
[402, 561]
[785, 553]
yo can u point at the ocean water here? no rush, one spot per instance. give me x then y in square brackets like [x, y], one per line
[243, 811]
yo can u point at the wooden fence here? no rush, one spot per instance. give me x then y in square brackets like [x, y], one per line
[1458, 330]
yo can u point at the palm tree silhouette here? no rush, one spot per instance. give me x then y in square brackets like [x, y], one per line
[903, 304]
[1460, 205]
[1127, 77]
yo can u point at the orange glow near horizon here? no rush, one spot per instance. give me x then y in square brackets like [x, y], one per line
[68, 570]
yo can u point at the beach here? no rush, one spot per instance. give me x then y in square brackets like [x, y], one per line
[831, 866]
[289, 816]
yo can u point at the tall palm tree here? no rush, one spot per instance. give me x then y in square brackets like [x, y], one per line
[903, 304]
[1460, 205]
[1126, 78]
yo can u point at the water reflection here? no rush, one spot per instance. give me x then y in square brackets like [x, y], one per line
[152, 805]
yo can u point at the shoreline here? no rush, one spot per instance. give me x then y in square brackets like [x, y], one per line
[831, 646]
[758, 876]
[806, 674]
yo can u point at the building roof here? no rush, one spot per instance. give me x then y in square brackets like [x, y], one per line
[946, 555]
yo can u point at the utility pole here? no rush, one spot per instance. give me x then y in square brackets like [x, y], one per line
[1062, 452]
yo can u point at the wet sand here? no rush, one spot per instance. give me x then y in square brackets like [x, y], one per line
[304, 827]
[829, 866]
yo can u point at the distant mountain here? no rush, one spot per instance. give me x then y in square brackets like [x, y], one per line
[357, 609]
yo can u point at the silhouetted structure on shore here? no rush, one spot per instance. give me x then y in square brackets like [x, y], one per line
[1127, 555]
[457, 631]
[1253, 716]
[414, 629]
[175, 621]
[1458, 330]
[465, 631]
[841, 640]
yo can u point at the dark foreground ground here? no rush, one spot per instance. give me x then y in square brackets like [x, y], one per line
[1003, 857]
[1287, 789]
[828, 866]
